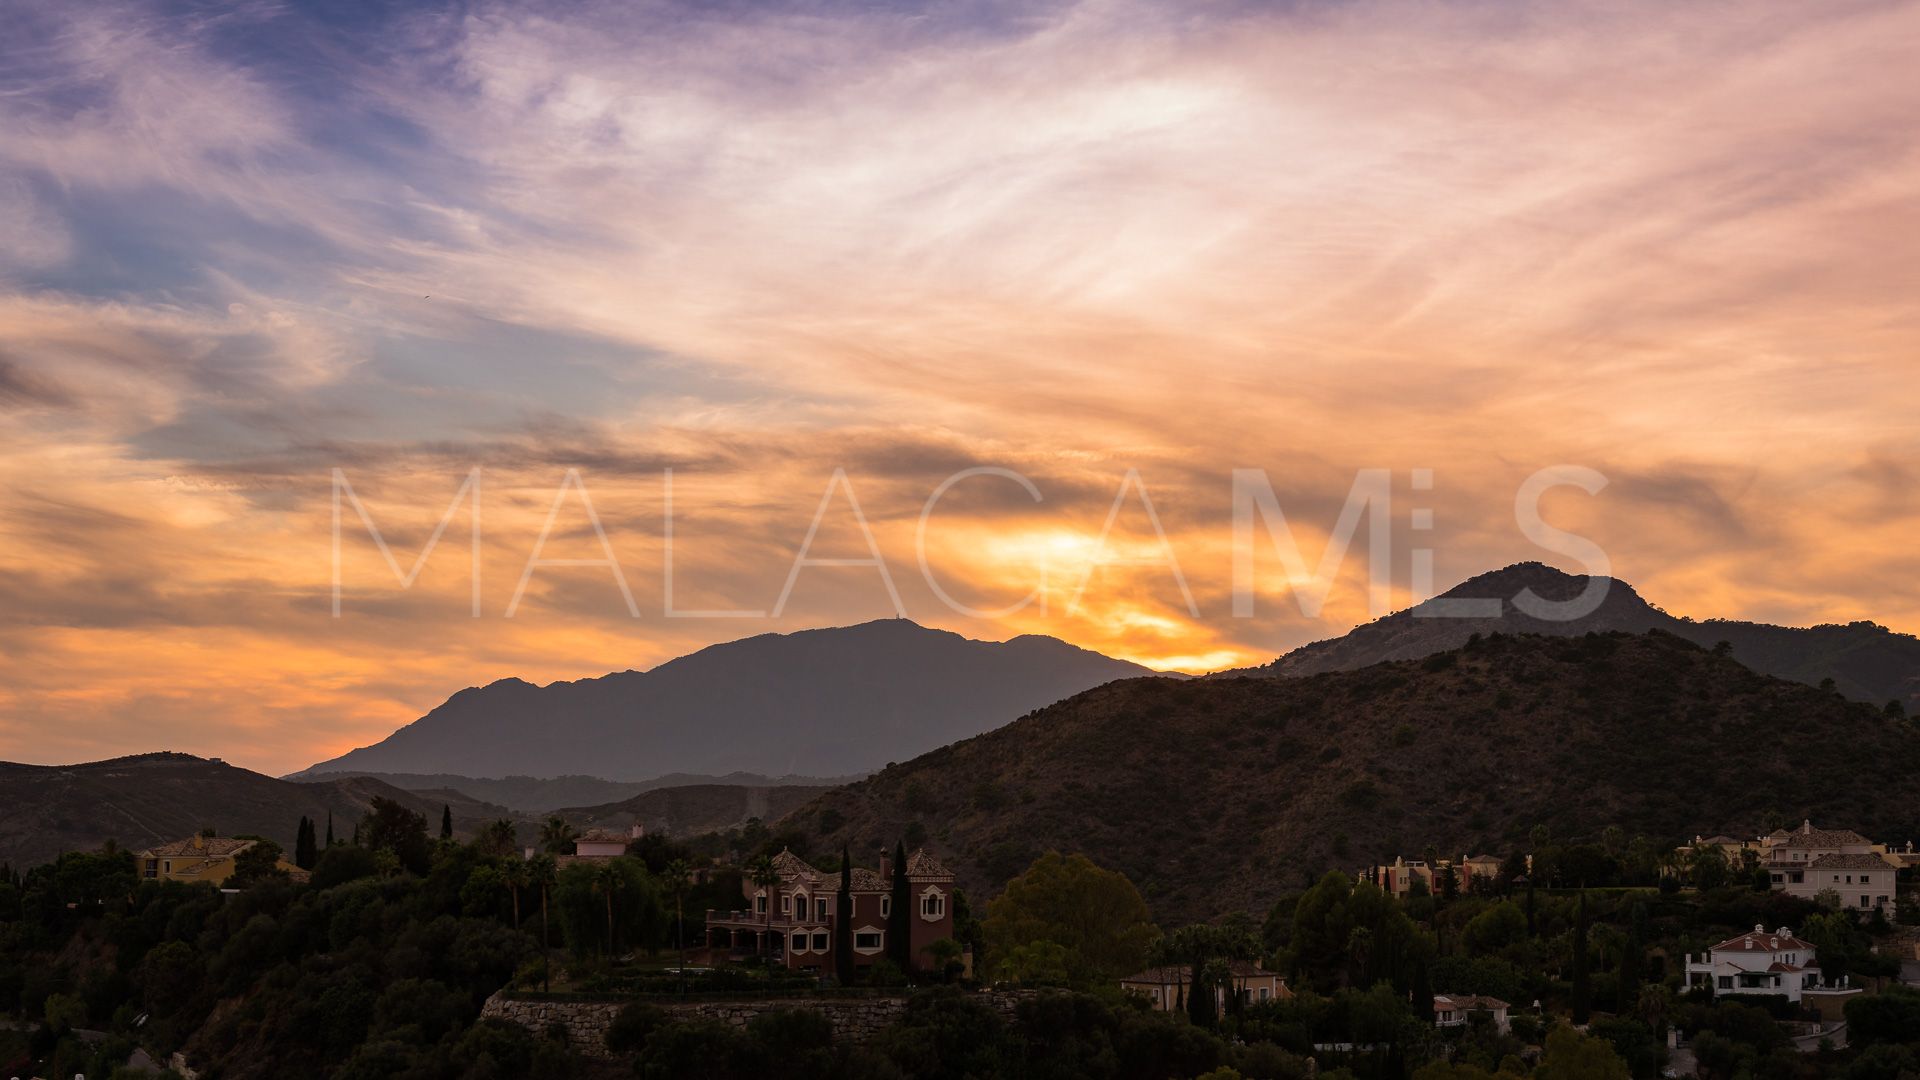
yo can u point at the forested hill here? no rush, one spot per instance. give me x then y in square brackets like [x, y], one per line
[1218, 794]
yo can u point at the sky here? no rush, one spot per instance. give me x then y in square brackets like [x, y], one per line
[260, 259]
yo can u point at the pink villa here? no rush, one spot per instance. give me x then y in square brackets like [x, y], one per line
[794, 923]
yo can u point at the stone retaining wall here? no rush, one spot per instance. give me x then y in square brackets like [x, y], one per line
[853, 1019]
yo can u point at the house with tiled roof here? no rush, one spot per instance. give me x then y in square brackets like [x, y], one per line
[794, 921]
[1806, 861]
[1763, 961]
[200, 858]
[1166, 988]
[596, 845]
[1454, 1010]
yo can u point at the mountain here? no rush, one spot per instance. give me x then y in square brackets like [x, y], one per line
[148, 798]
[1867, 662]
[817, 702]
[693, 809]
[541, 795]
[1217, 794]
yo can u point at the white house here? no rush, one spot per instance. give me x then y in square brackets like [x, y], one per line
[1451, 1010]
[1805, 861]
[1763, 962]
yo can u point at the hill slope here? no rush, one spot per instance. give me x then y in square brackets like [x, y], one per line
[140, 800]
[541, 795]
[819, 702]
[693, 809]
[1867, 662]
[1217, 794]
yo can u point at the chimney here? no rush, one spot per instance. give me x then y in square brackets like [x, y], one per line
[886, 865]
[639, 831]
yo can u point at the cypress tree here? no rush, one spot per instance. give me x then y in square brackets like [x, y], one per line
[1631, 960]
[304, 855]
[900, 920]
[843, 922]
[446, 822]
[329, 828]
[1581, 990]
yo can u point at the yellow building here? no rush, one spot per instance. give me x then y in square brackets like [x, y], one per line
[201, 858]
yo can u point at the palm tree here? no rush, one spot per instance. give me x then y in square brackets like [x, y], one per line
[606, 881]
[679, 879]
[515, 875]
[541, 873]
[499, 837]
[763, 875]
[556, 836]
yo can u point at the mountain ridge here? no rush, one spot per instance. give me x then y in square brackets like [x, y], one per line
[1868, 662]
[821, 702]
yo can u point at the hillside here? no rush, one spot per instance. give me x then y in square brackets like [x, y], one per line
[818, 702]
[541, 795]
[696, 808]
[148, 798]
[1867, 662]
[1217, 794]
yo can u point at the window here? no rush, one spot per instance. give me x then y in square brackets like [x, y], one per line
[760, 904]
[1726, 982]
[1866, 879]
[786, 904]
[886, 906]
[867, 940]
[799, 943]
[820, 942]
[820, 907]
[933, 905]
[1263, 993]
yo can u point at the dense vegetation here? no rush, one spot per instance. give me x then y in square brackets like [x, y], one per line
[1216, 794]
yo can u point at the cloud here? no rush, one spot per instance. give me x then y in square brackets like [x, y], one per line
[244, 247]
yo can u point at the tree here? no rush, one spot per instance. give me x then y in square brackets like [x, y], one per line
[1096, 915]
[392, 827]
[843, 921]
[945, 954]
[541, 874]
[556, 836]
[498, 838]
[1573, 1056]
[679, 878]
[329, 828]
[900, 917]
[762, 874]
[305, 850]
[514, 875]
[1582, 990]
[1632, 957]
[446, 822]
[257, 864]
[606, 881]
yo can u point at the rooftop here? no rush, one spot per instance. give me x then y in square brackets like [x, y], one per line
[1764, 940]
[206, 847]
[1849, 862]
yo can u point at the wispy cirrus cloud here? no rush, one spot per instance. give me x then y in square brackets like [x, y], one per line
[243, 245]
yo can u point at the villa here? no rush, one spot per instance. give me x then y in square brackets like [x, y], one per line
[795, 921]
[1453, 1010]
[1807, 861]
[1165, 988]
[200, 858]
[1763, 962]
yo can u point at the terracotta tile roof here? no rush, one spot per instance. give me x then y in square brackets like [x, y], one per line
[1806, 836]
[1468, 1002]
[211, 847]
[865, 880]
[1849, 862]
[1719, 841]
[1176, 974]
[1764, 940]
[600, 836]
[791, 866]
[1483, 859]
[922, 865]
[1778, 966]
